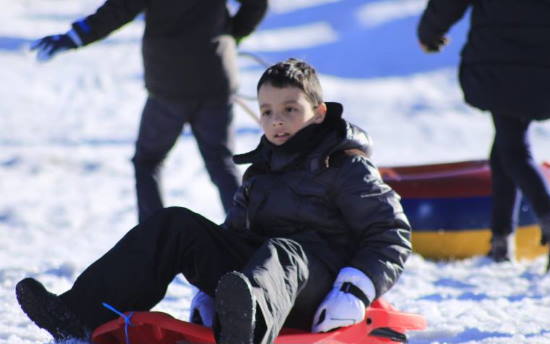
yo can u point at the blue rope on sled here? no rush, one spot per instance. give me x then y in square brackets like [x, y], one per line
[127, 320]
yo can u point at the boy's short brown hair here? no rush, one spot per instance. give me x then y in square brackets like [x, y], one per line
[295, 73]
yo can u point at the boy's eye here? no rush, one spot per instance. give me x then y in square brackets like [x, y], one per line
[266, 113]
[290, 109]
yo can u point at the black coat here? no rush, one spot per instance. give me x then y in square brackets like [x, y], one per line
[505, 65]
[188, 45]
[331, 199]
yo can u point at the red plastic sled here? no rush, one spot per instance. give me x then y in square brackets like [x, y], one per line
[383, 324]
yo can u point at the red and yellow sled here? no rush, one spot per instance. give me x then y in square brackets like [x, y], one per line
[449, 207]
[383, 324]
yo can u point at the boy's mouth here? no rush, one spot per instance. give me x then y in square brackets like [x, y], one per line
[281, 135]
[280, 138]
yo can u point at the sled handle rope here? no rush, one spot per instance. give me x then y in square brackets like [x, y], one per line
[255, 57]
[127, 319]
[240, 101]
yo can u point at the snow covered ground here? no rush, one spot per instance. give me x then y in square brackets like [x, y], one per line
[67, 129]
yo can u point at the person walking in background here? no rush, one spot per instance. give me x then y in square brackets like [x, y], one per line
[505, 69]
[189, 56]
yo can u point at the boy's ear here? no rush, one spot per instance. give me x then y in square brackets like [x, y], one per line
[320, 113]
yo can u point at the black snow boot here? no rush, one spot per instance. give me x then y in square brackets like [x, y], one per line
[47, 311]
[502, 248]
[545, 235]
[545, 229]
[235, 310]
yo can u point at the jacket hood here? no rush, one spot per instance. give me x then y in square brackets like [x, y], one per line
[352, 137]
[341, 135]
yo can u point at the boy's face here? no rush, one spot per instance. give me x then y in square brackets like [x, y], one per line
[286, 110]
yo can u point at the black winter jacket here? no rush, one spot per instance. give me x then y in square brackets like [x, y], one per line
[331, 199]
[188, 45]
[505, 64]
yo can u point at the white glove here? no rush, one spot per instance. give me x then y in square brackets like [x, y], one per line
[345, 304]
[202, 309]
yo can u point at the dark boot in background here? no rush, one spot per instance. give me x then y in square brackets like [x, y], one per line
[47, 311]
[503, 248]
[545, 229]
[545, 235]
[235, 310]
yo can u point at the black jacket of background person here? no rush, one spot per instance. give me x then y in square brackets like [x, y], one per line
[505, 64]
[321, 190]
[188, 46]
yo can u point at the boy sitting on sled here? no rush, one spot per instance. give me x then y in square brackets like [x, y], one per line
[313, 238]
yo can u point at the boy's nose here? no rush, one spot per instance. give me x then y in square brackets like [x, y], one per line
[277, 120]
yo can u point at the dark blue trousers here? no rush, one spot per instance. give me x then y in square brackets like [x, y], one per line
[161, 124]
[514, 172]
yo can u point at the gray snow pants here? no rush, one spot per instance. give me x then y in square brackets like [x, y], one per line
[161, 124]
[288, 283]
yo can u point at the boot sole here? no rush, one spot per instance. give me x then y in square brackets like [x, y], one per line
[236, 309]
[37, 303]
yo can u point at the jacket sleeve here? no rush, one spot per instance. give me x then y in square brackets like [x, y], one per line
[372, 211]
[112, 15]
[438, 17]
[249, 15]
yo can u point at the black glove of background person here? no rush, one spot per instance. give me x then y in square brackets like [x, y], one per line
[435, 46]
[49, 46]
